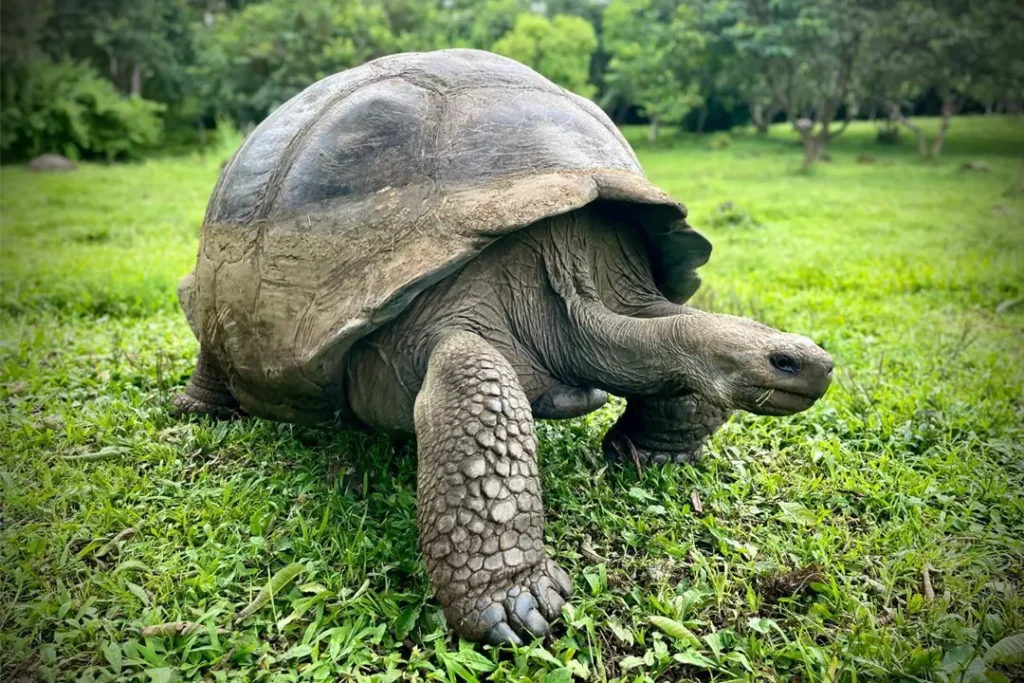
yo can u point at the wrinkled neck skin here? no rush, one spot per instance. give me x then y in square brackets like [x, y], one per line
[613, 329]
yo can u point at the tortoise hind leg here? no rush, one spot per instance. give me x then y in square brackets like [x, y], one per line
[207, 393]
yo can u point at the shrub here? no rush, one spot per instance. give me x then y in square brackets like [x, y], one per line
[888, 134]
[70, 109]
[719, 140]
[728, 215]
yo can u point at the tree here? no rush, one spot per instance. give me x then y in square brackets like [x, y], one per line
[558, 48]
[735, 75]
[959, 49]
[591, 11]
[143, 46]
[479, 23]
[806, 55]
[656, 50]
[252, 61]
[22, 27]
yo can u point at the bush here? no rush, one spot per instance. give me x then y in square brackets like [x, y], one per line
[719, 140]
[887, 134]
[70, 109]
[728, 215]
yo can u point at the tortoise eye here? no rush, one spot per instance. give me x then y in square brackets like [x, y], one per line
[785, 363]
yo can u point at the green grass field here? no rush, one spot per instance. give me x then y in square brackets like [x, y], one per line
[879, 536]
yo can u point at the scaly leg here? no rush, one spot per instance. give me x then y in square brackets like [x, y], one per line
[662, 430]
[207, 393]
[479, 504]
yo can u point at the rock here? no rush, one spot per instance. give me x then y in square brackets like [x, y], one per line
[974, 167]
[51, 162]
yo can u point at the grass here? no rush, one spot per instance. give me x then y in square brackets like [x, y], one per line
[807, 562]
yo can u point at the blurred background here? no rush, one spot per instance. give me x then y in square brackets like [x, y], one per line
[110, 79]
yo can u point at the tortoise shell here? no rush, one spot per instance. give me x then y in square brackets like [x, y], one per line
[375, 183]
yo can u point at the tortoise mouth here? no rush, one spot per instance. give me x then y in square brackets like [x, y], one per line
[775, 401]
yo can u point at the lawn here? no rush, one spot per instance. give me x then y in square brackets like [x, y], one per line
[877, 536]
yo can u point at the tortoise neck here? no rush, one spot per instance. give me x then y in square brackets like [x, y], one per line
[630, 356]
[603, 335]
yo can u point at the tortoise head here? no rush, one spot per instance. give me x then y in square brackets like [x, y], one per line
[745, 365]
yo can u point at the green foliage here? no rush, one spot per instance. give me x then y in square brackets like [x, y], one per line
[558, 48]
[957, 50]
[69, 109]
[1009, 650]
[479, 23]
[806, 562]
[251, 62]
[23, 25]
[142, 46]
[657, 52]
[673, 61]
[282, 579]
[805, 55]
[719, 140]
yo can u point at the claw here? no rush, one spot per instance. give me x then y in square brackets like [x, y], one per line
[491, 616]
[536, 624]
[562, 580]
[547, 596]
[519, 607]
[551, 605]
[502, 634]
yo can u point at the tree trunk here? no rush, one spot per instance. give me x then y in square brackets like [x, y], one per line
[948, 109]
[652, 130]
[702, 117]
[812, 147]
[760, 121]
[136, 80]
[896, 115]
[620, 111]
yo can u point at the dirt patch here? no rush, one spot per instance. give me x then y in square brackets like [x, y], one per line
[774, 587]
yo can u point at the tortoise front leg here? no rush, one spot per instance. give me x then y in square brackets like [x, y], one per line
[479, 504]
[662, 430]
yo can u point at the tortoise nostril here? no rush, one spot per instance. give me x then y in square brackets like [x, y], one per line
[785, 363]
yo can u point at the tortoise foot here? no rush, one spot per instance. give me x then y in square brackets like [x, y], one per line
[658, 431]
[514, 609]
[185, 404]
[619, 447]
[206, 394]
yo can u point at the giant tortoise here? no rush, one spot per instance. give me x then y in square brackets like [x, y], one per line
[450, 245]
